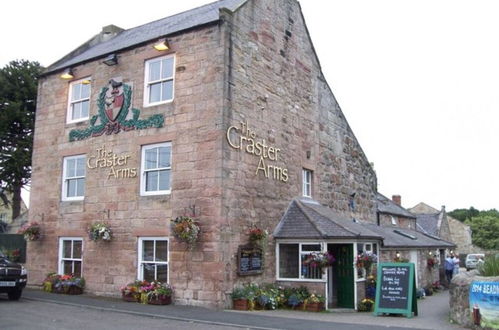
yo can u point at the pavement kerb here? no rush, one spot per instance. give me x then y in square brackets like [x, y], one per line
[159, 316]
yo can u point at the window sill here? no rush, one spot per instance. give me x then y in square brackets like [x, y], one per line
[78, 122]
[301, 280]
[149, 105]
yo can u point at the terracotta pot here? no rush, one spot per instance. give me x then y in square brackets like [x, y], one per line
[240, 304]
[161, 300]
[131, 297]
[315, 307]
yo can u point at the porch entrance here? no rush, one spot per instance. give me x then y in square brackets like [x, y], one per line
[341, 277]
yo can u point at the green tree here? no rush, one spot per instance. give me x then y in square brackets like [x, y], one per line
[464, 214]
[484, 229]
[18, 91]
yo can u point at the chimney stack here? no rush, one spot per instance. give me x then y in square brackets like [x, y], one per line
[397, 199]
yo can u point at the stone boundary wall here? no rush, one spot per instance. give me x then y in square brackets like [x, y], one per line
[459, 301]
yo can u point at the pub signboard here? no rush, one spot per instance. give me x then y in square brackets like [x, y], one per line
[250, 260]
[396, 289]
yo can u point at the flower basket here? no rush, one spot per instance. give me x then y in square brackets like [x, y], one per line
[100, 231]
[160, 300]
[30, 231]
[186, 229]
[240, 304]
[257, 235]
[319, 259]
[131, 297]
[365, 260]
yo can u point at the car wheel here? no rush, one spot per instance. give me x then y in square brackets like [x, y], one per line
[15, 295]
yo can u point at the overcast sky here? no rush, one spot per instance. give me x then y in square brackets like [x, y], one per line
[418, 80]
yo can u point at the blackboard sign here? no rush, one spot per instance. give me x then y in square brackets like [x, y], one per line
[250, 260]
[396, 289]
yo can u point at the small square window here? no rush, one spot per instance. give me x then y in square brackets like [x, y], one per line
[307, 183]
[156, 169]
[159, 78]
[73, 178]
[153, 259]
[79, 100]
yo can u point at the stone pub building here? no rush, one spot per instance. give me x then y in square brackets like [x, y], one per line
[222, 113]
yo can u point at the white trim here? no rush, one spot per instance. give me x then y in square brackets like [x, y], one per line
[143, 191]
[69, 114]
[306, 183]
[60, 267]
[147, 83]
[323, 278]
[64, 184]
[141, 239]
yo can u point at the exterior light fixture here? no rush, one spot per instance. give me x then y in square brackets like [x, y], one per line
[111, 60]
[67, 74]
[397, 254]
[162, 45]
[430, 253]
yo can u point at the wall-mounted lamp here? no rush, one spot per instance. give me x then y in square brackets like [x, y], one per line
[67, 74]
[111, 60]
[397, 254]
[162, 45]
[430, 253]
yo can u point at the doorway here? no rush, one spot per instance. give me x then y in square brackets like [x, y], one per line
[341, 277]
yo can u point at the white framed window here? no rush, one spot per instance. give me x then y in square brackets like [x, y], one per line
[158, 81]
[70, 256]
[153, 259]
[73, 178]
[155, 169]
[79, 100]
[290, 263]
[3, 217]
[307, 183]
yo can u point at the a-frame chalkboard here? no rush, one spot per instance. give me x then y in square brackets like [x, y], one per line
[396, 289]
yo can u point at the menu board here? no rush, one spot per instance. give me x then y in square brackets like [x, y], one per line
[395, 289]
[250, 260]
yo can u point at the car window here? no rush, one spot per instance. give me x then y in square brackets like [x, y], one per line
[472, 257]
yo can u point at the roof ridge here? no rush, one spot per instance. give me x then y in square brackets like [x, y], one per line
[301, 207]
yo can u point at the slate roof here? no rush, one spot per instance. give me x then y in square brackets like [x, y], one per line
[306, 218]
[386, 205]
[399, 238]
[428, 223]
[154, 30]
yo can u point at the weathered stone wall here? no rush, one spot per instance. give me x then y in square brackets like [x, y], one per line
[192, 125]
[276, 88]
[460, 310]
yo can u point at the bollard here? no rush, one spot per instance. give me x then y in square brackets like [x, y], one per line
[476, 315]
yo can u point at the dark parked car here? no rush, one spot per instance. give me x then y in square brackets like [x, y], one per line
[13, 278]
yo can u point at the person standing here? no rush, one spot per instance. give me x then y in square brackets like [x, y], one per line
[449, 268]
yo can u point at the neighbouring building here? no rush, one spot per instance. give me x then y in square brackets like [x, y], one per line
[7, 224]
[220, 113]
[404, 240]
[439, 223]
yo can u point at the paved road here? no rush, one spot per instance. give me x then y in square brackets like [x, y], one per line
[40, 310]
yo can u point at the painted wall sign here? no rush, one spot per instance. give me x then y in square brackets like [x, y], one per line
[396, 289]
[250, 260]
[484, 304]
[114, 113]
[103, 158]
[244, 139]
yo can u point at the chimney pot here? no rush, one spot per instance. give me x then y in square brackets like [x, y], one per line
[397, 199]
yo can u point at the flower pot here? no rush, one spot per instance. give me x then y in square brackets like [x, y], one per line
[161, 300]
[131, 297]
[74, 290]
[315, 307]
[240, 304]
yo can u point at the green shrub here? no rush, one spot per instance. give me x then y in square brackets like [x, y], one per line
[490, 267]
